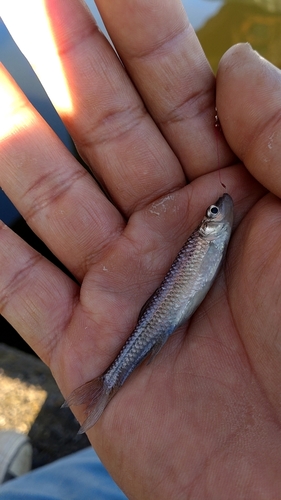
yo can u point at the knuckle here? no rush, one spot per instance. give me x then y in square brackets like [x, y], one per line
[113, 125]
[49, 189]
[18, 281]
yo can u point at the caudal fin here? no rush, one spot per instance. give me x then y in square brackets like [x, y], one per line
[95, 395]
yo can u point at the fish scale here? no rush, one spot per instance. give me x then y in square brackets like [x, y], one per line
[180, 293]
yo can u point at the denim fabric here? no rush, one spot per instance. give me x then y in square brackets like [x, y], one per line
[79, 476]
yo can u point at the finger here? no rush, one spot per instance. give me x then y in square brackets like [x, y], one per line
[35, 297]
[167, 64]
[53, 192]
[106, 117]
[249, 106]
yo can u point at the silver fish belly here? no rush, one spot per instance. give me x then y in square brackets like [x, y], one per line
[172, 304]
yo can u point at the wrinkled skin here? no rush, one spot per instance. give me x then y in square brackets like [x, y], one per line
[203, 419]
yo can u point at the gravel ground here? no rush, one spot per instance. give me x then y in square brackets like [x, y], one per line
[30, 403]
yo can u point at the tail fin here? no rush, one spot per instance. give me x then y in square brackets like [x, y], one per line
[95, 395]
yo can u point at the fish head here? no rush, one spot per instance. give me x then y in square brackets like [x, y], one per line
[218, 220]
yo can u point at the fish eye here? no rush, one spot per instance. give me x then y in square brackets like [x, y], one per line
[212, 211]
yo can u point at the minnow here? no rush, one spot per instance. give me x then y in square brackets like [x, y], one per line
[171, 305]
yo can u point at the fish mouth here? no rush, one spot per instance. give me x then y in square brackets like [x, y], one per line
[225, 206]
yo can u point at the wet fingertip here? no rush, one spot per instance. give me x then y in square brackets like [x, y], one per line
[235, 56]
[238, 56]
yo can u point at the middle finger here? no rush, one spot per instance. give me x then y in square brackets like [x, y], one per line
[165, 60]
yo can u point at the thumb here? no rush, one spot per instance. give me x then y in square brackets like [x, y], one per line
[249, 108]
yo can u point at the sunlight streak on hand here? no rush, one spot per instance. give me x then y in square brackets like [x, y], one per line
[14, 115]
[29, 26]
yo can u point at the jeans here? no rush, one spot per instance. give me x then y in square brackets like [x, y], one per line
[80, 476]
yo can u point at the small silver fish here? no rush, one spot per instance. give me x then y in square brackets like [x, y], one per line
[180, 293]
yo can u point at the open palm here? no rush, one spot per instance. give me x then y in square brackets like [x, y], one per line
[203, 419]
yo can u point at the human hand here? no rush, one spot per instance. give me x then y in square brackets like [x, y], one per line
[202, 420]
